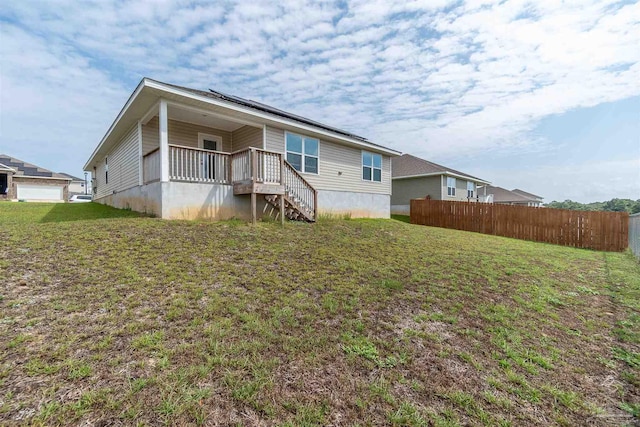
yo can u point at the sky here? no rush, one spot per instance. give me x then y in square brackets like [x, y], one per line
[543, 96]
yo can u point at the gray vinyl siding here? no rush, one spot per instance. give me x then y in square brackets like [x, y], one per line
[461, 190]
[404, 190]
[180, 133]
[150, 136]
[123, 162]
[275, 139]
[339, 168]
[245, 137]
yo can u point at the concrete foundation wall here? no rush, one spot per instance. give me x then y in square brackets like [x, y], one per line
[185, 200]
[146, 199]
[358, 205]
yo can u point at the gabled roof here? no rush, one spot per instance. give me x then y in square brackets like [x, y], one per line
[6, 168]
[25, 169]
[524, 193]
[503, 195]
[149, 92]
[265, 108]
[73, 178]
[408, 166]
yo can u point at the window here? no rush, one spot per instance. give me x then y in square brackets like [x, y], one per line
[106, 171]
[209, 142]
[451, 186]
[470, 189]
[371, 167]
[302, 152]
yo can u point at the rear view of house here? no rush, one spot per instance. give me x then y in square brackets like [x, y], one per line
[181, 153]
[20, 180]
[416, 178]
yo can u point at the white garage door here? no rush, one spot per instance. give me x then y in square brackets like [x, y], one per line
[39, 192]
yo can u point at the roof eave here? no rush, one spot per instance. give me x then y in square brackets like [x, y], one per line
[122, 112]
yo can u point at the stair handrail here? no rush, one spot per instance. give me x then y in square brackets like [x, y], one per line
[308, 203]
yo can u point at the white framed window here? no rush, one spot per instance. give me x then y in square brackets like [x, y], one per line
[209, 141]
[302, 152]
[471, 190]
[451, 186]
[371, 167]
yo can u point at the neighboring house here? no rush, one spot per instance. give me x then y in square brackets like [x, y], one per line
[503, 196]
[537, 199]
[416, 178]
[182, 153]
[76, 186]
[20, 180]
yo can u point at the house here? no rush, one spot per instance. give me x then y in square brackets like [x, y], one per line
[182, 153]
[416, 178]
[76, 186]
[503, 196]
[538, 199]
[20, 180]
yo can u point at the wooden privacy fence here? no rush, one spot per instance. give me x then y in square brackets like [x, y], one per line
[634, 234]
[604, 231]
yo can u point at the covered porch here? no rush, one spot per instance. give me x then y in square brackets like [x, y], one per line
[183, 144]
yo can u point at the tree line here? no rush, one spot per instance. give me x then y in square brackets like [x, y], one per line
[613, 205]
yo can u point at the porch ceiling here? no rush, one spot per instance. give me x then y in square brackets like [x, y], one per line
[203, 119]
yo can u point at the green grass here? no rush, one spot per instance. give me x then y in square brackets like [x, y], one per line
[110, 317]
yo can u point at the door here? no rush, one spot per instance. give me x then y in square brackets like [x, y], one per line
[3, 183]
[212, 143]
[39, 192]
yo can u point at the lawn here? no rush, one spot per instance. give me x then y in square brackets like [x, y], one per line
[107, 317]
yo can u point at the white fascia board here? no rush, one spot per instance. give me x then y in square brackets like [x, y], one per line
[267, 116]
[445, 173]
[43, 177]
[124, 109]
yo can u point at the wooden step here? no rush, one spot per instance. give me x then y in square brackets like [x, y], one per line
[292, 209]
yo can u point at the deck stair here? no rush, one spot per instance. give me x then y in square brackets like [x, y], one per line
[255, 171]
[251, 171]
[293, 209]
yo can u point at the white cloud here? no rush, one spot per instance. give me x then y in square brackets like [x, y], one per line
[433, 78]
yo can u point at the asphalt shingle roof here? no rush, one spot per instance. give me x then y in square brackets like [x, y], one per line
[524, 193]
[503, 195]
[268, 109]
[74, 178]
[408, 165]
[23, 168]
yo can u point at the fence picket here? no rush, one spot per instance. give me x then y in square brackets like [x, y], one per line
[605, 231]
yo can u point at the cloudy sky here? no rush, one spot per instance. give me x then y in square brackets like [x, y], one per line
[541, 95]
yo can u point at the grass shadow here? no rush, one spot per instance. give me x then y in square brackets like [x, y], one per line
[65, 212]
[401, 218]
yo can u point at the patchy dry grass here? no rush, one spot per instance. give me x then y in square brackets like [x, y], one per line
[111, 318]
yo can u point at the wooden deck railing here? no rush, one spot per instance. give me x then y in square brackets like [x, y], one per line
[151, 166]
[300, 190]
[252, 165]
[256, 165]
[198, 165]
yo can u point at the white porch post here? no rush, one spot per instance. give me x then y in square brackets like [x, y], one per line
[140, 157]
[164, 141]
